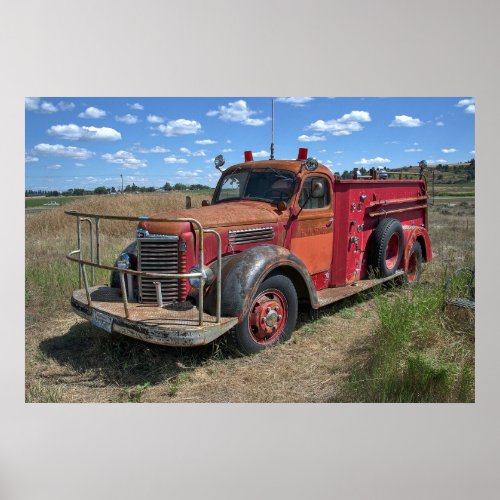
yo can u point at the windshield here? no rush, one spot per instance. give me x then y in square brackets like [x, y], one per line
[263, 184]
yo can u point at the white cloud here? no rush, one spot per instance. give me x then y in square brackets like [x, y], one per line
[54, 167]
[473, 152]
[31, 103]
[66, 106]
[311, 138]
[124, 158]
[180, 127]
[136, 106]
[439, 124]
[448, 150]
[186, 151]
[261, 154]
[227, 150]
[29, 158]
[188, 173]
[295, 101]
[154, 149]
[74, 132]
[468, 104]
[437, 162]
[48, 107]
[338, 152]
[36, 104]
[205, 142]
[92, 112]
[155, 119]
[371, 161]
[79, 165]
[65, 151]
[406, 121]
[128, 119]
[465, 102]
[238, 111]
[256, 122]
[345, 125]
[413, 150]
[172, 160]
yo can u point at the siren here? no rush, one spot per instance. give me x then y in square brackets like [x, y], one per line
[248, 156]
[302, 154]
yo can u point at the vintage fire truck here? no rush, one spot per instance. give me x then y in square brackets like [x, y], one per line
[275, 234]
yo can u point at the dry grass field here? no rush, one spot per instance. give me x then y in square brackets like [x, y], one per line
[346, 352]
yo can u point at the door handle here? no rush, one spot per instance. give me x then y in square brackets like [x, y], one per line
[330, 222]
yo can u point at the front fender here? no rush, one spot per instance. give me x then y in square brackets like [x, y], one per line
[243, 273]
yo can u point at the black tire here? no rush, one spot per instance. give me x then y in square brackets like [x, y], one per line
[388, 236]
[415, 259]
[243, 337]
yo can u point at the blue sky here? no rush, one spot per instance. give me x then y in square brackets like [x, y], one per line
[88, 142]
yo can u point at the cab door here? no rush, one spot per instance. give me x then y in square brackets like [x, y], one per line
[311, 228]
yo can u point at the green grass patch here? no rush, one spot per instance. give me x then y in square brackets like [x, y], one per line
[416, 357]
[456, 194]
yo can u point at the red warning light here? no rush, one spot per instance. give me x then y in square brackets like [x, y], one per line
[302, 154]
[248, 156]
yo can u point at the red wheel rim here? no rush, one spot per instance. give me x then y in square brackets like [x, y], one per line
[412, 267]
[267, 316]
[392, 252]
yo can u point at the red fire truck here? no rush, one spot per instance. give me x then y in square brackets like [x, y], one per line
[275, 234]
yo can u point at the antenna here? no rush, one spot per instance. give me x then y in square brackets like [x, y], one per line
[272, 129]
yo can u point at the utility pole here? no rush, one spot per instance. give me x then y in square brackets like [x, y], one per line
[272, 130]
[121, 175]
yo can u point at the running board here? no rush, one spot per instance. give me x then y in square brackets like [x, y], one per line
[330, 295]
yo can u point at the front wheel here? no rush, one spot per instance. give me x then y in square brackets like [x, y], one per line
[270, 319]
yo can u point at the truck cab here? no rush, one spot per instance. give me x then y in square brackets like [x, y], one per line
[276, 233]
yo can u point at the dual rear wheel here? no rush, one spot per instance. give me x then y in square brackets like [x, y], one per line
[388, 248]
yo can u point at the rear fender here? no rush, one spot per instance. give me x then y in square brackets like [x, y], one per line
[420, 234]
[243, 273]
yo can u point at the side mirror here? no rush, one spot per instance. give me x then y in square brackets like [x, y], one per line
[318, 189]
[205, 203]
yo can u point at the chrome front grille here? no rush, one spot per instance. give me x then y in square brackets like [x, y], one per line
[159, 254]
[254, 235]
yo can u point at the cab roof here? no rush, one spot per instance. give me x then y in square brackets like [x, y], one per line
[290, 165]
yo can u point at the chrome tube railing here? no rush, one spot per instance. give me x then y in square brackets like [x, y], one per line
[82, 217]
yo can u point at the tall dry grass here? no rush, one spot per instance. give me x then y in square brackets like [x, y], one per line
[51, 234]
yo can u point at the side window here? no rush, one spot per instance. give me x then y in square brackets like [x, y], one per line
[306, 198]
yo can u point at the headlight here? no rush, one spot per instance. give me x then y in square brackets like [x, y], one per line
[207, 274]
[123, 261]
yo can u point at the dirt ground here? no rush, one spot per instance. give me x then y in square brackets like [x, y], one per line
[67, 360]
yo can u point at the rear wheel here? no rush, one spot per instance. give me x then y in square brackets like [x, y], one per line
[414, 263]
[270, 319]
[388, 246]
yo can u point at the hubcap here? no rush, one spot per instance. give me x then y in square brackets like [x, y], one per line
[267, 317]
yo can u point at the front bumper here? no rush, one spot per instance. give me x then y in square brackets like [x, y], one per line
[157, 325]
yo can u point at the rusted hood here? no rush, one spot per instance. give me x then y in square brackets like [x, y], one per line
[213, 216]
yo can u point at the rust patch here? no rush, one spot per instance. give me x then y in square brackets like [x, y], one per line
[237, 213]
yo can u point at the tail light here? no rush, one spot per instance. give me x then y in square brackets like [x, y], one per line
[302, 154]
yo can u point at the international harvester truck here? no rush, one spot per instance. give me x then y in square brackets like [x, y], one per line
[275, 234]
